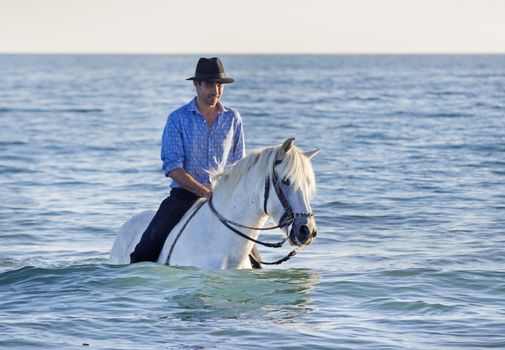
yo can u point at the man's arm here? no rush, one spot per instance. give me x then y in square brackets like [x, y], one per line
[238, 141]
[187, 182]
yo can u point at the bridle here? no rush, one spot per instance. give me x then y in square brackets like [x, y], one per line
[286, 219]
[289, 215]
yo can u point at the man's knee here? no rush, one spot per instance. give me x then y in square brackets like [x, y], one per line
[142, 253]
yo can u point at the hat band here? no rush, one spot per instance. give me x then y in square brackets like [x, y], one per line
[200, 76]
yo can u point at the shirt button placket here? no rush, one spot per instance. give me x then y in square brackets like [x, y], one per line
[209, 148]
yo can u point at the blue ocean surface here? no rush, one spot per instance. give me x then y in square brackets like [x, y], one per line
[410, 204]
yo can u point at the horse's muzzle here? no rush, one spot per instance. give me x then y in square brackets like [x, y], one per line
[302, 234]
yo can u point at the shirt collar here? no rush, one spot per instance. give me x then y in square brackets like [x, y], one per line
[193, 107]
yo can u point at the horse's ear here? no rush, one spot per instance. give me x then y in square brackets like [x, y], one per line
[286, 146]
[312, 154]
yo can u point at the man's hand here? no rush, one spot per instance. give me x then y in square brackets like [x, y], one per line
[207, 193]
[187, 182]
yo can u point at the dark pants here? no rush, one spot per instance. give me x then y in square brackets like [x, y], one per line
[171, 210]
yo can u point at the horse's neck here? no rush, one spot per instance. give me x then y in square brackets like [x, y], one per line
[214, 247]
[243, 205]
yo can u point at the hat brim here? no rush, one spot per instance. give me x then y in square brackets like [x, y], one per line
[218, 80]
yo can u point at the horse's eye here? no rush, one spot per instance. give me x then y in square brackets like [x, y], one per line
[285, 181]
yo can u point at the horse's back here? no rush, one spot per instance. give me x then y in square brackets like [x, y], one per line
[128, 236]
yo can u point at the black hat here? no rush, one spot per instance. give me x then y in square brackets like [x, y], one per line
[211, 69]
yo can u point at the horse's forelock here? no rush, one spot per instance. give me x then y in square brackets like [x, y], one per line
[298, 168]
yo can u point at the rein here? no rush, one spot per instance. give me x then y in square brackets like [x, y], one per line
[229, 223]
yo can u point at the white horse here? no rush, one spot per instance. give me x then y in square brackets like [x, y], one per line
[276, 182]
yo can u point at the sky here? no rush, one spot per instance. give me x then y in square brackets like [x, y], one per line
[252, 26]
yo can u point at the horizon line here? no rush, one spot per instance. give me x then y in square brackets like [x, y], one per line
[385, 53]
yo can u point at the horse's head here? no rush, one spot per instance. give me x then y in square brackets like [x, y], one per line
[293, 180]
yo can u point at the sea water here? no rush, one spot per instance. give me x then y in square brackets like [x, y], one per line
[410, 204]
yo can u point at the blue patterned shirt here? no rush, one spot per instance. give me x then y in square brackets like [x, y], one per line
[189, 143]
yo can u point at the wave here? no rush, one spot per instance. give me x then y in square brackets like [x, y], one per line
[51, 110]
[433, 114]
[12, 143]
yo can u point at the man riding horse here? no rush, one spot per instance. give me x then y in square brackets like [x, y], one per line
[193, 142]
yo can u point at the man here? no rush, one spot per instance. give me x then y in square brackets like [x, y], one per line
[193, 141]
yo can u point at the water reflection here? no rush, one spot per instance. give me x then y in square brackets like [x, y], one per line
[281, 296]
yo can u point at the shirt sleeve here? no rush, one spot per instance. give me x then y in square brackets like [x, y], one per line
[238, 141]
[172, 151]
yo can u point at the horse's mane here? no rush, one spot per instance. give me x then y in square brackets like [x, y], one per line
[295, 166]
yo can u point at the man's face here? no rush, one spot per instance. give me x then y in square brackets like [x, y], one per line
[209, 92]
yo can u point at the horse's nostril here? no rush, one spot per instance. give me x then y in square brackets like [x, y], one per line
[314, 234]
[304, 233]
